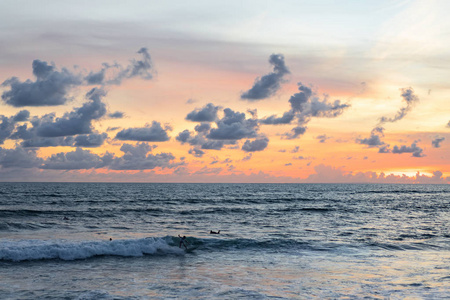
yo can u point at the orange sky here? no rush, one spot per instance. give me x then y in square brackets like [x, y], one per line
[367, 65]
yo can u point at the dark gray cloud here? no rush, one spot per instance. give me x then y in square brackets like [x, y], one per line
[90, 140]
[256, 145]
[375, 138]
[199, 140]
[52, 86]
[204, 127]
[274, 120]
[116, 115]
[322, 138]
[48, 142]
[295, 132]
[416, 151]
[299, 99]
[183, 136]
[436, 143]
[49, 88]
[7, 125]
[19, 158]
[138, 158]
[234, 126]
[196, 152]
[205, 114]
[76, 160]
[305, 105]
[231, 128]
[410, 99]
[384, 149]
[135, 157]
[75, 122]
[448, 124]
[269, 84]
[116, 73]
[153, 133]
[214, 145]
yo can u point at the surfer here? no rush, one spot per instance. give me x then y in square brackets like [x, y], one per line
[214, 232]
[183, 241]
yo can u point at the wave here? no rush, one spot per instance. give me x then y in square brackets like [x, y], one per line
[27, 250]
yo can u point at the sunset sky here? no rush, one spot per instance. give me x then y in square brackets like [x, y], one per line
[230, 91]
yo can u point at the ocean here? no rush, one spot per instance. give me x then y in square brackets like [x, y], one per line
[276, 241]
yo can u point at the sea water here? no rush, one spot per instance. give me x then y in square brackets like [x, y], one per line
[276, 241]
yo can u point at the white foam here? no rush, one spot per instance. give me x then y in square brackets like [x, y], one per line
[20, 250]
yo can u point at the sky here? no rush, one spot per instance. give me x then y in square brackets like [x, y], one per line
[234, 91]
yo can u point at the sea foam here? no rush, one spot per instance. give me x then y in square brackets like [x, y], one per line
[21, 250]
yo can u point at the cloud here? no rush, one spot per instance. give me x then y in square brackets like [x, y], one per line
[234, 126]
[256, 145]
[114, 74]
[410, 98]
[436, 143]
[7, 125]
[295, 149]
[196, 152]
[153, 133]
[329, 174]
[116, 115]
[76, 160]
[416, 151]
[295, 132]
[19, 158]
[134, 158]
[204, 127]
[206, 114]
[448, 124]
[274, 120]
[183, 136]
[90, 140]
[299, 99]
[48, 142]
[248, 157]
[269, 84]
[305, 105]
[375, 138]
[231, 128]
[322, 138]
[49, 88]
[137, 158]
[75, 122]
[52, 86]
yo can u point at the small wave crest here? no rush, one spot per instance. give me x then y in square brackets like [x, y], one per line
[27, 250]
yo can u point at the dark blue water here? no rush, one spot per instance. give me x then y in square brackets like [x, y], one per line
[119, 241]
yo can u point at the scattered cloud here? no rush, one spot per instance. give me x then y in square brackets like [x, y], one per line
[267, 85]
[19, 158]
[323, 138]
[305, 105]
[205, 114]
[76, 160]
[116, 115]
[153, 133]
[256, 145]
[234, 126]
[410, 99]
[136, 157]
[50, 87]
[416, 151]
[7, 125]
[436, 143]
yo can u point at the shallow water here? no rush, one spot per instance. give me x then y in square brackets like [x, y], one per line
[277, 241]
